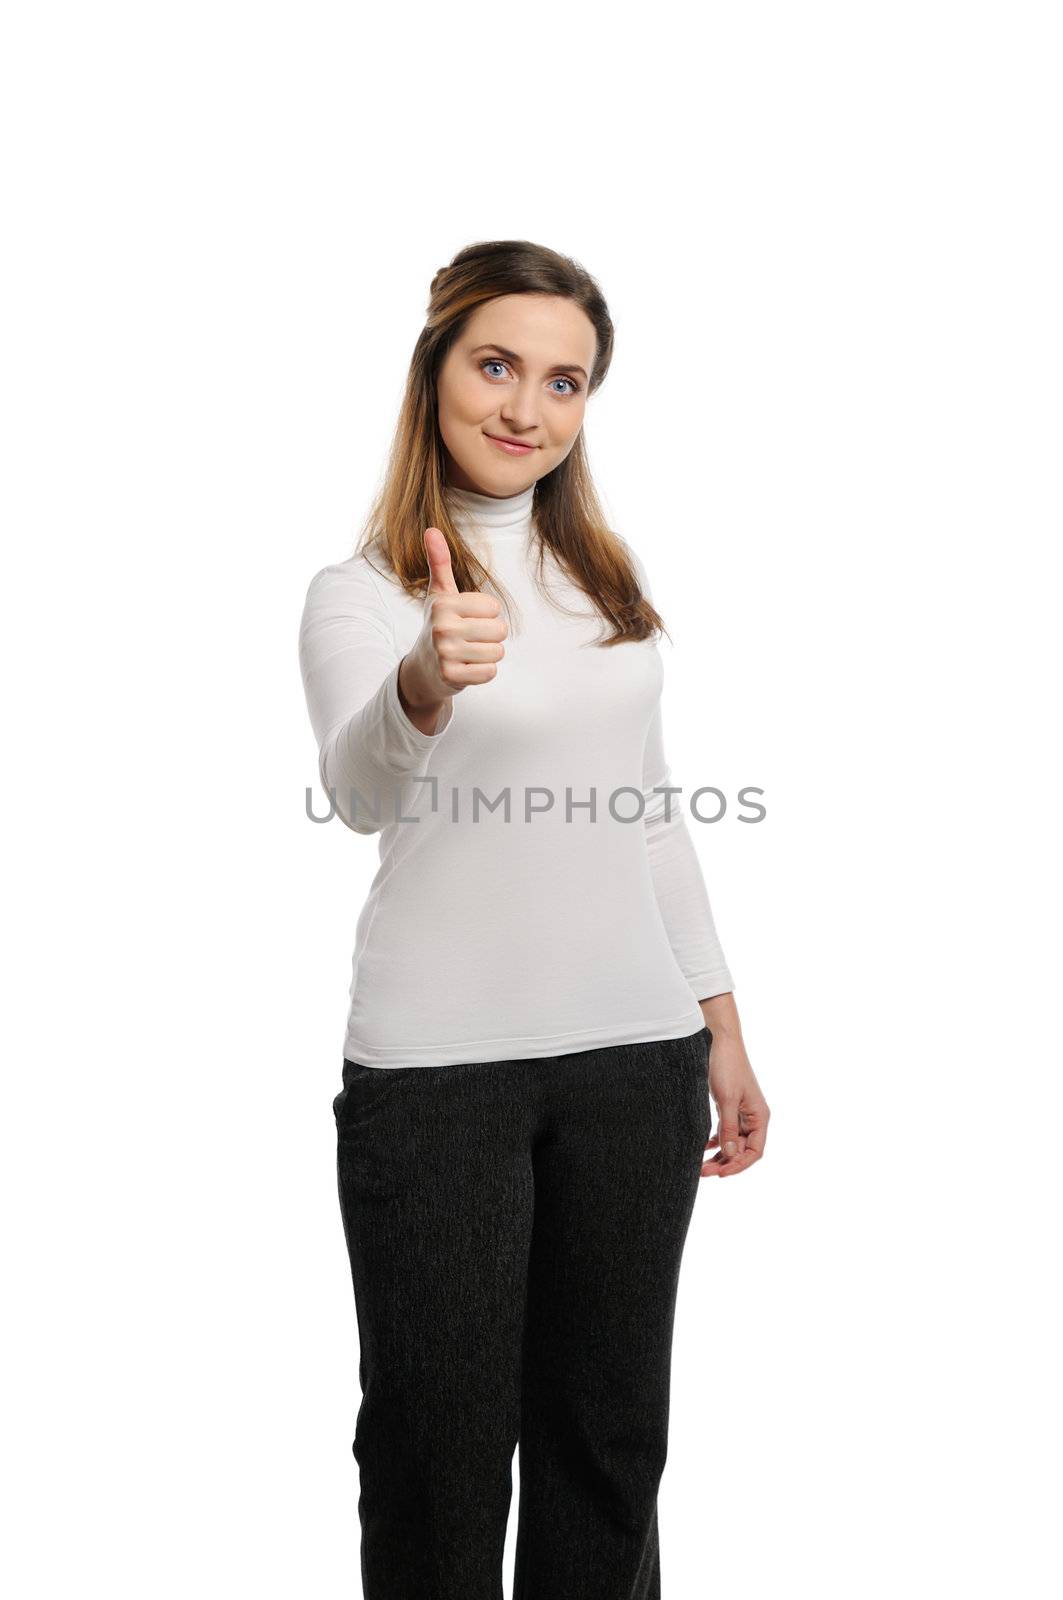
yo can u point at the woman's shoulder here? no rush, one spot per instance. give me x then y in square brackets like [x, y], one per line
[636, 561]
[358, 580]
[346, 600]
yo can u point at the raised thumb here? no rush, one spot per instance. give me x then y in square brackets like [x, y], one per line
[442, 573]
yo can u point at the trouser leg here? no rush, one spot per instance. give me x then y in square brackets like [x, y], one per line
[616, 1167]
[436, 1194]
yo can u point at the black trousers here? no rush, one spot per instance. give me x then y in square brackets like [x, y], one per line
[515, 1230]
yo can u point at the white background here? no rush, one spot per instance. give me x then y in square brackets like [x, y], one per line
[830, 239]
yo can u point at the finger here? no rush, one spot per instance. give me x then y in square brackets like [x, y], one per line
[441, 573]
[729, 1133]
[725, 1165]
[754, 1119]
[719, 1168]
[481, 629]
[755, 1144]
[471, 603]
[470, 650]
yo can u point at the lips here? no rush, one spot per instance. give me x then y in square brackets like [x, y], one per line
[513, 447]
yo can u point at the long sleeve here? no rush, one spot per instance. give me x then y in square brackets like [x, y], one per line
[677, 878]
[367, 745]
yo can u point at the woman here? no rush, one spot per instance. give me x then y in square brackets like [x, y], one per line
[540, 1004]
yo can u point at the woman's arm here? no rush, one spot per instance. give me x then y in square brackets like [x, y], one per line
[677, 878]
[678, 883]
[368, 746]
[742, 1120]
[742, 1111]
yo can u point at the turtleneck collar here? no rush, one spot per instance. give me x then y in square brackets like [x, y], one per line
[492, 516]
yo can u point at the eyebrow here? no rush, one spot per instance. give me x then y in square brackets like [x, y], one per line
[511, 355]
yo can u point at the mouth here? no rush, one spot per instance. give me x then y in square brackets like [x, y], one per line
[512, 447]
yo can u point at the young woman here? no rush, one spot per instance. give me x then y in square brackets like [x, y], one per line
[540, 1004]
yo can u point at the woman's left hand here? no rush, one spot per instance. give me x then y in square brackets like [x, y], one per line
[742, 1111]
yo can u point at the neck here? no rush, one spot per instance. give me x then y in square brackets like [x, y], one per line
[494, 517]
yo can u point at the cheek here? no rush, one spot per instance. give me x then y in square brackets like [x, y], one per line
[565, 427]
[461, 403]
[472, 402]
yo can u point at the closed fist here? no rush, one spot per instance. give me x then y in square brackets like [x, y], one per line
[460, 642]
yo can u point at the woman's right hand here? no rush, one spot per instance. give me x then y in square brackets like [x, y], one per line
[459, 643]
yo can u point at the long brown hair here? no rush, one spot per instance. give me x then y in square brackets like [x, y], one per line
[567, 516]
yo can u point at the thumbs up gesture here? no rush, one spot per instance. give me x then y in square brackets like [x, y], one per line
[459, 644]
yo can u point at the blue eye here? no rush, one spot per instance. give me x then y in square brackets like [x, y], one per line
[496, 361]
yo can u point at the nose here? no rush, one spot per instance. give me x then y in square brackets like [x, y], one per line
[521, 409]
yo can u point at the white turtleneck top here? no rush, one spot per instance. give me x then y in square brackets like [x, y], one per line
[491, 934]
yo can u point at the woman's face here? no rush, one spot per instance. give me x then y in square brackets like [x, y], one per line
[518, 371]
